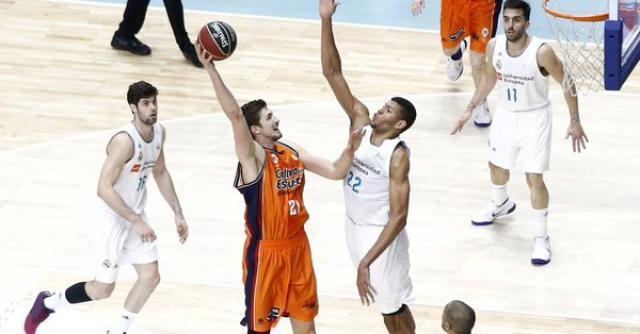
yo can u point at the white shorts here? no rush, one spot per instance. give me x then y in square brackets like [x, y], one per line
[389, 273]
[116, 244]
[525, 132]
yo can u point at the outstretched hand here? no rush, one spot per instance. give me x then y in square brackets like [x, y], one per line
[578, 137]
[417, 7]
[327, 8]
[205, 57]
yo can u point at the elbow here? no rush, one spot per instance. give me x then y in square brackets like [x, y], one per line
[329, 72]
[400, 220]
[101, 191]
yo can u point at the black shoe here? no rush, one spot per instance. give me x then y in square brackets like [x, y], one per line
[131, 44]
[189, 52]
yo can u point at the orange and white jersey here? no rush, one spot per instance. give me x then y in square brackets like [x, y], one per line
[132, 182]
[275, 208]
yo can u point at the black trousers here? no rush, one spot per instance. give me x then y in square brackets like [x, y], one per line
[136, 10]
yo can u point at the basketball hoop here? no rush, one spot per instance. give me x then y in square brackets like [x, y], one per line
[581, 40]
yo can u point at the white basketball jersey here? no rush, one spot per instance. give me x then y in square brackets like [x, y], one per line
[366, 186]
[522, 86]
[132, 183]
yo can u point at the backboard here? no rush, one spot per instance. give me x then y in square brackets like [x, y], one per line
[621, 42]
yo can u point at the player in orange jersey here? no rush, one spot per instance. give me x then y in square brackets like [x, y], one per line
[477, 19]
[278, 273]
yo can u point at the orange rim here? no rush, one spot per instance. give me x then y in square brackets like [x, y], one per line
[593, 18]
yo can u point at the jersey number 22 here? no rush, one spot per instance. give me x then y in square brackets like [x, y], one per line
[357, 182]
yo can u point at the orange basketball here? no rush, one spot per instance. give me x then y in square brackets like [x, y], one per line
[219, 39]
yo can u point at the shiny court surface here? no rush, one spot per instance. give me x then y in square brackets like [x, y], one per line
[60, 101]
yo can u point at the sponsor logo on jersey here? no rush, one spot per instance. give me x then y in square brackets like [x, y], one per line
[364, 167]
[499, 75]
[498, 64]
[289, 178]
[136, 168]
[148, 164]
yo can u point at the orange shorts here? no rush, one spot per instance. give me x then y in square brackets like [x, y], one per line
[475, 18]
[279, 281]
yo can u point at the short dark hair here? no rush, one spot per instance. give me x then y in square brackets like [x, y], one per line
[519, 4]
[251, 111]
[461, 316]
[407, 113]
[140, 90]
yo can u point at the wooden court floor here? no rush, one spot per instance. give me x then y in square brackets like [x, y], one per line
[62, 89]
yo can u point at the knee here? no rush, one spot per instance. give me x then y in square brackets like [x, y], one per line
[498, 171]
[449, 51]
[535, 181]
[97, 290]
[150, 278]
[477, 61]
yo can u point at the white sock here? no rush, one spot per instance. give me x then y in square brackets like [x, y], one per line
[124, 321]
[541, 220]
[56, 301]
[499, 194]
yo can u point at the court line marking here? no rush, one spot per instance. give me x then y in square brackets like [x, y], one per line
[9, 152]
[554, 316]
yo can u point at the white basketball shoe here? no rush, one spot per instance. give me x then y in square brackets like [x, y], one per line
[482, 115]
[541, 251]
[455, 67]
[487, 215]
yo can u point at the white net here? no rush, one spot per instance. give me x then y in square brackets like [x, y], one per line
[581, 42]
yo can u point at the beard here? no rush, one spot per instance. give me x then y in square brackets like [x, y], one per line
[149, 120]
[516, 36]
[277, 135]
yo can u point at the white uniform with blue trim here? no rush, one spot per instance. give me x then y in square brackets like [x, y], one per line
[115, 242]
[522, 122]
[366, 190]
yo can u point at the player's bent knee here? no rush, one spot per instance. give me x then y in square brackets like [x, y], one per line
[477, 60]
[98, 290]
[151, 278]
[535, 180]
[303, 327]
[449, 51]
[401, 309]
[497, 170]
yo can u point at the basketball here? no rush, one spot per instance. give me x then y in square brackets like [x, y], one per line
[219, 39]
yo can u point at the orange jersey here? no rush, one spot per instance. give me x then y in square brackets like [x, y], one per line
[475, 18]
[278, 274]
[275, 208]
